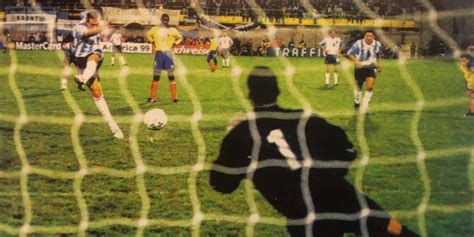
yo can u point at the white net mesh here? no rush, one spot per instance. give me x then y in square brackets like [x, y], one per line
[254, 217]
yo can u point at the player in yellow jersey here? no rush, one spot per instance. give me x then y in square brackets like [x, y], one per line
[467, 67]
[163, 38]
[212, 56]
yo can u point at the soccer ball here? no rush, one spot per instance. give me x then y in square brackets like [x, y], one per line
[155, 119]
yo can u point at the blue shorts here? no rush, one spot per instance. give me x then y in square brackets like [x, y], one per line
[163, 61]
[212, 56]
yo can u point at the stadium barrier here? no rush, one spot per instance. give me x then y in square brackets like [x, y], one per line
[146, 48]
[143, 48]
[291, 21]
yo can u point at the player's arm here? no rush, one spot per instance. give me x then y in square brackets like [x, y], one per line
[340, 47]
[470, 83]
[352, 54]
[91, 31]
[354, 59]
[150, 33]
[322, 45]
[232, 155]
[378, 55]
[178, 38]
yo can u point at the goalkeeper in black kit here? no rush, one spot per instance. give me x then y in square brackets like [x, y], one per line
[286, 137]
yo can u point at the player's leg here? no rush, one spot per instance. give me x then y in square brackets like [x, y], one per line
[369, 91]
[91, 67]
[169, 66]
[388, 226]
[66, 72]
[359, 82]
[173, 87]
[121, 58]
[154, 86]
[3, 47]
[158, 66]
[328, 74]
[336, 75]
[470, 113]
[225, 58]
[212, 60]
[113, 57]
[101, 104]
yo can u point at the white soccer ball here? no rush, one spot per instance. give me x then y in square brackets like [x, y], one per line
[155, 119]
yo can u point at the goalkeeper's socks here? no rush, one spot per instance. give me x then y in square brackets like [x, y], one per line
[328, 75]
[173, 90]
[90, 70]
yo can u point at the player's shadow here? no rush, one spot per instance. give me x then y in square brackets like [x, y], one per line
[41, 95]
[146, 104]
[369, 123]
[327, 87]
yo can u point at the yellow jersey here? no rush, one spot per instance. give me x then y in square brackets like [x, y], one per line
[164, 38]
[213, 44]
[468, 76]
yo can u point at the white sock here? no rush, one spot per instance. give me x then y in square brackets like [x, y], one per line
[223, 62]
[227, 62]
[104, 110]
[63, 84]
[368, 96]
[328, 75]
[357, 95]
[65, 75]
[365, 102]
[336, 78]
[122, 60]
[113, 60]
[66, 72]
[90, 70]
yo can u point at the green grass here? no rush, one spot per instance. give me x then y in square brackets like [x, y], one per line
[392, 177]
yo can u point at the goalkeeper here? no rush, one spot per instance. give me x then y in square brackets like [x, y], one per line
[283, 140]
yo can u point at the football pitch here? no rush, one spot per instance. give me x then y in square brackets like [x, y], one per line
[61, 171]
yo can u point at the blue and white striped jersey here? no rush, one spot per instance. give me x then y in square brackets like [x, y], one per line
[85, 45]
[365, 53]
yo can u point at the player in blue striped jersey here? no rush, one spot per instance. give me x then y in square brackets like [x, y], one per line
[365, 53]
[89, 58]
